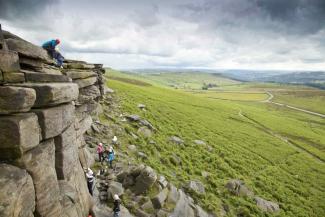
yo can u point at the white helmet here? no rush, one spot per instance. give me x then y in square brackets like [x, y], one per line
[116, 197]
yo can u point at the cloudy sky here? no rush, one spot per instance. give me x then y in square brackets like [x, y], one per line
[220, 34]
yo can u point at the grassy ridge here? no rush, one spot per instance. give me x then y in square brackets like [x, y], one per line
[245, 145]
[313, 100]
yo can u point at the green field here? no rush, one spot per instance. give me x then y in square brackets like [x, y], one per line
[313, 100]
[278, 152]
[233, 95]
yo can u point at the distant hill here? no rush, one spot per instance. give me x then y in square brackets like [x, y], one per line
[314, 79]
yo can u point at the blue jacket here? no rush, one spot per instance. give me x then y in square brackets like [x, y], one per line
[50, 44]
[111, 156]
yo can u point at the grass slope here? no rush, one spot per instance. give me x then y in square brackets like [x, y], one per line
[279, 153]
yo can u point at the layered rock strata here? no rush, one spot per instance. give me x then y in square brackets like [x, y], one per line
[44, 113]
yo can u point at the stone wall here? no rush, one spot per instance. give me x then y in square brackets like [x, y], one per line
[44, 113]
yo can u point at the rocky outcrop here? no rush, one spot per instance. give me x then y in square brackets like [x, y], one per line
[44, 114]
[17, 192]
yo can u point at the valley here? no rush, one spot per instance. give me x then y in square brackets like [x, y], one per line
[278, 152]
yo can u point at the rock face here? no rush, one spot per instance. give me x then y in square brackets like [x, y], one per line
[17, 192]
[16, 99]
[18, 134]
[43, 118]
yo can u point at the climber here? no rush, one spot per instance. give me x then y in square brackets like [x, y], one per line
[100, 151]
[51, 48]
[110, 156]
[90, 180]
[116, 207]
[114, 140]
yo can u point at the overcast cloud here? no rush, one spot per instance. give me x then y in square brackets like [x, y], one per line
[232, 34]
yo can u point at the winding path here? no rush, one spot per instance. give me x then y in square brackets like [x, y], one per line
[268, 100]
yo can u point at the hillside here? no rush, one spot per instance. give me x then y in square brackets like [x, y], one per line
[259, 143]
[180, 80]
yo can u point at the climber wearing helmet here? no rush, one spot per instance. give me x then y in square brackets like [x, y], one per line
[51, 48]
[90, 180]
[116, 208]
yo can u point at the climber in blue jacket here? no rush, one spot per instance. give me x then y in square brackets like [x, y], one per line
[50, 46]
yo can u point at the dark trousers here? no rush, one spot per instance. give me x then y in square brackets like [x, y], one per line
[56, 55]
[90, 187]
[100, 156]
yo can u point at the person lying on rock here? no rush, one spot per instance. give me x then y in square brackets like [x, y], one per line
[51, 48]
[116, 207]
[110, 157]
[90, 180]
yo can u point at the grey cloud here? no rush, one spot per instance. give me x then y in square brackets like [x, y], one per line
[20, 9]
[178, 33]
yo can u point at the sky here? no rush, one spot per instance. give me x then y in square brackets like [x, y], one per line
[212, 34]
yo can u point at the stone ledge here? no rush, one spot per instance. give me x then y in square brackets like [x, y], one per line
[18, 134]
[49, 94]
[55, 120]
[16, 99]
[44, 77]
[9, 61]
[85, 82]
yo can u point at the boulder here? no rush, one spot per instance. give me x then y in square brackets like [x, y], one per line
[141, 106]
[79, 74]
[17, 192]
[142, 155]
[145, 132]
[9, 61]
[133, 118]
[88, 94]
[55, 119]
[183, 206]
[132, 148]
[238, 187]
[85, 82]
[147, 124]
[40, 164]
[158, 201]
[267, 206]
[195, 186]
[16, 99]
[173, 194]
[115, 188]
[44, 77]
[176, 140]
[18, 134]
[162, 181]
[145, 180]
[108, 90]
[199, 142]
[27, 49]
[49, 94]
[13, 77]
